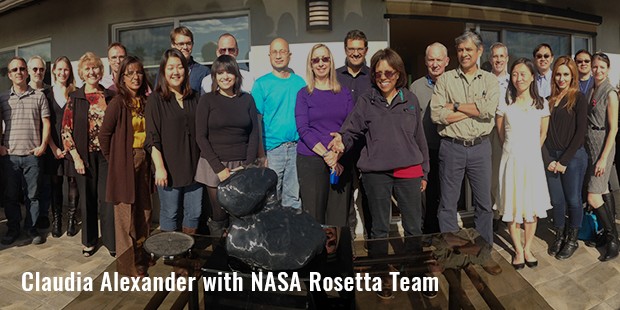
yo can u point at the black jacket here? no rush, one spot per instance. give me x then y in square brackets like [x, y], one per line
[394, 134]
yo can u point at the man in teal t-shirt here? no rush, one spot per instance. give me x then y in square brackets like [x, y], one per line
[275, 95]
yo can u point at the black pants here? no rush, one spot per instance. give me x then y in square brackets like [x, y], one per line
[91, 189]
[327, 203]
[430, 197]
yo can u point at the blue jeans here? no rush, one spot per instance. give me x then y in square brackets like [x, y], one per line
[283, 160]
[565, 189]
[170, 198]
[18, 168]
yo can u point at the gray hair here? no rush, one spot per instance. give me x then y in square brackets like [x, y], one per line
[36, 57]
[499, 45]
[469, 35]
[439, 45]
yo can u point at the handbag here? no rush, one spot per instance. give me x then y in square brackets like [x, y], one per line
[589, 226]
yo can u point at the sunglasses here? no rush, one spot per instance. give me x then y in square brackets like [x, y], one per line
[324, 59]
[38, 69]
[20, 69]
[585, 61]
[131, 74]
[388, 74]
[545, 56]
[227, 50]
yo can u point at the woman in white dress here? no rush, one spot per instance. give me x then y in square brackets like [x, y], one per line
[522, 122]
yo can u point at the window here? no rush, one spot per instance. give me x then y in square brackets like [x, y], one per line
[148, 40]
[42, 48]
[522, 43]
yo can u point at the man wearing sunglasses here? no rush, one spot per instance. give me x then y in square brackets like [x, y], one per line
[227, 45]
[463, 106]
[25, 113]
[583, 59]
[36, 70]
[543, 58]
[116, 54]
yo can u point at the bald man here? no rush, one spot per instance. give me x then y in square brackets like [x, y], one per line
[227, 45]
[275, 94]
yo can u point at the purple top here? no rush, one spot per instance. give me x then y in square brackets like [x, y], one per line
[318, 114]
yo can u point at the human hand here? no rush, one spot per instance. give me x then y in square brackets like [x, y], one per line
[3, 150]
[336, 144]
[224, 174]
[599, 169]
[339, 169]
[552, 165]
[560, 168]
[58, 153]
[38, 151]
[79, 166]
[423, 185]
[331, 158]
[161, 177]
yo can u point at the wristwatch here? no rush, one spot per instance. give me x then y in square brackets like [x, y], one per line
[455, 106]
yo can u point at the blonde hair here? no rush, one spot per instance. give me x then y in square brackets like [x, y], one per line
[87, 58]
[333, 79]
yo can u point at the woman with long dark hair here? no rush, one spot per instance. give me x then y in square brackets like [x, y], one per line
[81, 123]
[522, 121]
[601, 148]
[171, 141]
[55, 160]
[226, 132]
[565, 156]
[122, 139]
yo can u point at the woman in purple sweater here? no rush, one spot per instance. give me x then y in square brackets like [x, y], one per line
[321, 109]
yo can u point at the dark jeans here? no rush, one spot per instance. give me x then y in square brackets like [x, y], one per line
[456, 160]
[430, 197]
[16, 169]
[327, 203]
[565, 189]
[91, 189]
[379, 188]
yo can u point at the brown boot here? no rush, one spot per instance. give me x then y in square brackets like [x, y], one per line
[189, 231]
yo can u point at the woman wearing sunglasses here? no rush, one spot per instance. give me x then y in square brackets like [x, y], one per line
[601, 148]
[321, 108]
[394, 158]
[122, 138]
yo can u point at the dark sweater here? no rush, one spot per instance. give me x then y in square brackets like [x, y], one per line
[394, 134]
[567, 130]
[172, 130]
[226, 129]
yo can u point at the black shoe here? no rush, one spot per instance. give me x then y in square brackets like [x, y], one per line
[89, 251]
[570, 246]
[71, 226]
[430, 294]
[558, 242]
[36, 236]
[43, 222]
[10, 237]
[609, 227]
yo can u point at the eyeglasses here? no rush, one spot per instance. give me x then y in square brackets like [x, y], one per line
[20, 69]
[388, 74]
[545, 56]
[184, 44]
[585, 61]
[280, 52]
[324, 59]
[227, 50]
[352, 50]
[131, 74]
[38, 69]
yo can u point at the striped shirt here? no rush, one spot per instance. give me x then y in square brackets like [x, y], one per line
[22, 115]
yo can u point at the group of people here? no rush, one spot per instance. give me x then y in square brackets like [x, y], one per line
[527, 138]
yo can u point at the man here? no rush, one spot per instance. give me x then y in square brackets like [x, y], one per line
[227, 45]
[25, 113]
[36, 70]
[275, 95]
[116, 54]
[499, 67]
[436, 60]
[355, 76]
[583, 59]
[463, 106]
[543, 56]
[182, 39]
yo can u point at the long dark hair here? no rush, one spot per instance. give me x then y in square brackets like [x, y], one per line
[123, 90]
[162, 84]
[511, 94]
[226, 63]
[70, 87]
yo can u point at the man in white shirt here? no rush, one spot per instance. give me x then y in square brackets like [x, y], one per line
[116, 54]
[227, 45]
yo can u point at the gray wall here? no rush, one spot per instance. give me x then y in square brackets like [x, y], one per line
[86, 24]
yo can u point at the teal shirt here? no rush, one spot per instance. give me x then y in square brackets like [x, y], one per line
[275, 100]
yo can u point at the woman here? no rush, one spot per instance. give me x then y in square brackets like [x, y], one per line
[226, 132]
[394, 158]
[122, 138]
[601, 148]
[321, 108]
[55, 166]
[171, 141]
[564, 155]
[81, 123]
[522, 121]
